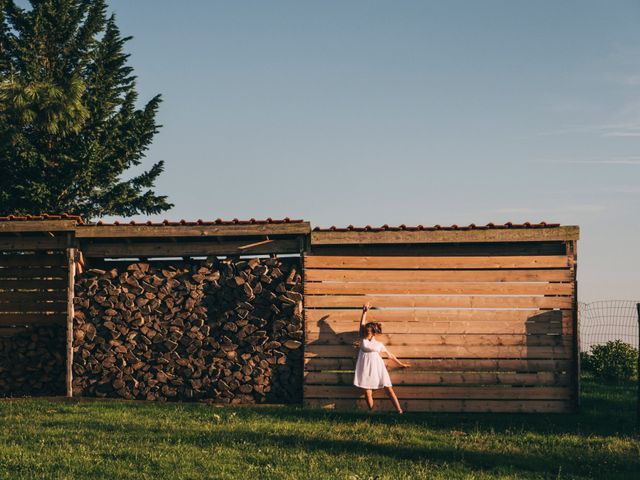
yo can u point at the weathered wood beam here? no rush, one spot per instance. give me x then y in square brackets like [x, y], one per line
[186, 249]
[32, 243]
[37, 226]
[446, 236]
[131, 231]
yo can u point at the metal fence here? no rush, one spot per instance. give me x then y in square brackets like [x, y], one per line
[607, 320]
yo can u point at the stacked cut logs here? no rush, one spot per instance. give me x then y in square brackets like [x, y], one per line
[227, 330]
[32, 362]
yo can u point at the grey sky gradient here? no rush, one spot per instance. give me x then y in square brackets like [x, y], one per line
[415, 112]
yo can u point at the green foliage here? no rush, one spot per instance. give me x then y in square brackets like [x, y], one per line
[613, 361]
[69, 125]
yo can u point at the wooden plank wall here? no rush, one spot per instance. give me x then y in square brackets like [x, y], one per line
[33, 290]
[482, 332]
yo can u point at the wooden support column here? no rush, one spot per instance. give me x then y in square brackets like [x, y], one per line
[71, 258]
[572, 252]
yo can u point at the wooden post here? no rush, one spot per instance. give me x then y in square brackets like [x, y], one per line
[638, 372]
[572, 252]
[71, 258]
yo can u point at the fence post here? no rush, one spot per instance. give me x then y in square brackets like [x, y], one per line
[638, 373]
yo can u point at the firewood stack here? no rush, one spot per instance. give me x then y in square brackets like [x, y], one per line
[33, 362]
[226, 331]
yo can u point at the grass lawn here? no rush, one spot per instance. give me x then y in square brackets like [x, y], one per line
[118, 440]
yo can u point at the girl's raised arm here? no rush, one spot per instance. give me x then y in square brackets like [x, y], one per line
[363, 318]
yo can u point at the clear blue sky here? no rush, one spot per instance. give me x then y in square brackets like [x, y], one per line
[368, 112]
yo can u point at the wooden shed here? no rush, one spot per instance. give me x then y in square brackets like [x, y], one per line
[486, 315]
[40, 257]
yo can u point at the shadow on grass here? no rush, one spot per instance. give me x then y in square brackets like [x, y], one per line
[606, 410]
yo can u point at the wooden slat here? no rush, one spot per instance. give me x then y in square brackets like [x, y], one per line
[439, 301]
[22, 272]
[32, 284]
[9, 297]
[37, 226]
[447, 236]
[156, 231]
[449, 392]
[404, 276]
[423, 262]
[329, 327]
[451, 364]
[420, 351]
[412, 377]
[450, 288]
[471, 406]
[33, 243]
[493, 249]
[181, 249]
[32, 306]
[32, 319]
[12, 331]
[393, 340]
[33, 260]
[410, 315]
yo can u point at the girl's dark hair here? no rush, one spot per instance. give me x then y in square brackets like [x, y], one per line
[375, 327]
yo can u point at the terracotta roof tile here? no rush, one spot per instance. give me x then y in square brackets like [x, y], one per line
[218, 221]
[44, 216]
[472, 226]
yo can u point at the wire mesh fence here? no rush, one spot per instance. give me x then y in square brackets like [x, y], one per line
[607, 320]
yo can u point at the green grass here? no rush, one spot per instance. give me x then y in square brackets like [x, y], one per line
[119, 440]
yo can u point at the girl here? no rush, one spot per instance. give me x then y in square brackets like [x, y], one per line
[371, 372]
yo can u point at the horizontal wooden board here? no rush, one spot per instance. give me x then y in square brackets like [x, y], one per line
[34, 243]
[32, 319]
[33, 306]
[492, 249]
[413, 377]
[451, 364]
[450, 392]
[180, 249]
[412, 315]
[33, 260]
[44, 226]
[12, 331]
[24, 284]
[435, 301]
[22, 272]
[422, 262]
[448, 288]
[445, 236]
[8, 297]
[393, 340]
[327, 327]
[417, 351]
[467, 406]
[405, 276]
[239, 230]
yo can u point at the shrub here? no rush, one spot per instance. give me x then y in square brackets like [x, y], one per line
[613, 361]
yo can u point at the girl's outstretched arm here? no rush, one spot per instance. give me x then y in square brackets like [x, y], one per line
[363, 318]
[395, 359]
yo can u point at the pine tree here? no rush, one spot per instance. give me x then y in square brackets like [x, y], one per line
[69, 125]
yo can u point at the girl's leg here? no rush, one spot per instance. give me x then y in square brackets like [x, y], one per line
[394, 399]
[369, 395]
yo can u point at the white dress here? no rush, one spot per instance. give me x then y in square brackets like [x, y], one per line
[371, 372]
